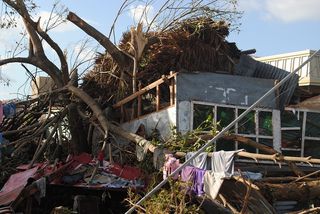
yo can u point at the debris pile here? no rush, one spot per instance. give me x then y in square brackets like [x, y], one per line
[192, 45]
[37, 134]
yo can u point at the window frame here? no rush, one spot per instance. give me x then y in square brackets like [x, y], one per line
[256, 136]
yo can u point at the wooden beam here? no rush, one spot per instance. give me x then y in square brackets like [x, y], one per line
[275, 157]
[143, 90]
[158, 94]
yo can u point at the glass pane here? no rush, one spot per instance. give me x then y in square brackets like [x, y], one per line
[291, 153]
[202, 116]
[265, 123]
[291, 139]
[225, 116]
[247, 124]
[225, 145]
[312, 148]
[288, 119]
[266, 142]
[313, 125]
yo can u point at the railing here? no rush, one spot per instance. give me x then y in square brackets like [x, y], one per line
[133, 106]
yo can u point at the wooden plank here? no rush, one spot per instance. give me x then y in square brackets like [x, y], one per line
[122, 114]
[139, 106]
[171, 89]
[143, 90]
[158, 94]
[304, 120]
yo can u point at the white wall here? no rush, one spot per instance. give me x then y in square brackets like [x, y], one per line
[163, 120]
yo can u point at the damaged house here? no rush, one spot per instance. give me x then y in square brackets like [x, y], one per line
[289, 128]
[185, 76]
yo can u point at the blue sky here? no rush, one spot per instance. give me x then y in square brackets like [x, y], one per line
[269, 26]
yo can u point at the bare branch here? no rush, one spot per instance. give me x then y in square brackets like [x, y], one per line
[57, 49]
[20, 7]
[16, 60]
[122, 59]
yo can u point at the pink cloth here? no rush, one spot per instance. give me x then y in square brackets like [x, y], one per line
[1, 112]
[170, 165]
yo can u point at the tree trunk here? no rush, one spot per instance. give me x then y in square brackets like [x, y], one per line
[78, 134]
[265, 149]
[300, 191]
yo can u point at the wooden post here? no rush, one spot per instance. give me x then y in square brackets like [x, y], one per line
[277, 94]
[139, 103]
[122, 114]
[172, 88]
[158, 98]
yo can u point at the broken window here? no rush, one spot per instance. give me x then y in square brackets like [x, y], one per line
[203, 117]
[256, 125]
[300, 133]
[265, 123]
[312, 124]
[225, 116]
[312, 148]
[247, 124]
[291, 125]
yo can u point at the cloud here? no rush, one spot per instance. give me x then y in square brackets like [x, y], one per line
[142, 13]
[9, 37]
[293, 10]
[64, 26]
[284, 10]
[250, 5]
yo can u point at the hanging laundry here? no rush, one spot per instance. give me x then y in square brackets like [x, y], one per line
[187, 173]
[170, 165]
[222, 162]
[200, 161]
[198, 181]
[9, 110]
[212, 183]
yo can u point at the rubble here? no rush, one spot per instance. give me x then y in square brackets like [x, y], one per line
[44, 172]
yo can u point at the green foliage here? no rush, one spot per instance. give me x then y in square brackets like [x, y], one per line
[191, 140]
[174, 198]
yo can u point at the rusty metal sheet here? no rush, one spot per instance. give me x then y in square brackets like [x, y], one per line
[15, 185]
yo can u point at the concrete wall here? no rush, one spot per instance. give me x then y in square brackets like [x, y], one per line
[45, 84]
[203, 87]
[223, 89]
[162, 120]
[218, 89]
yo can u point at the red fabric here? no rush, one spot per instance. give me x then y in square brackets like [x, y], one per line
[101, 156]
[126, 172]
[83, 158]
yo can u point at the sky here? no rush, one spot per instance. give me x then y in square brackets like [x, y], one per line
[269, 26]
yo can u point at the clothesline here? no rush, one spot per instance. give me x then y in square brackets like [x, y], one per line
[206, 175]
[275, 157]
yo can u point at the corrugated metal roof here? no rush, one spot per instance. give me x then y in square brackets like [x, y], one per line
[250, 67]
[15, 185]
